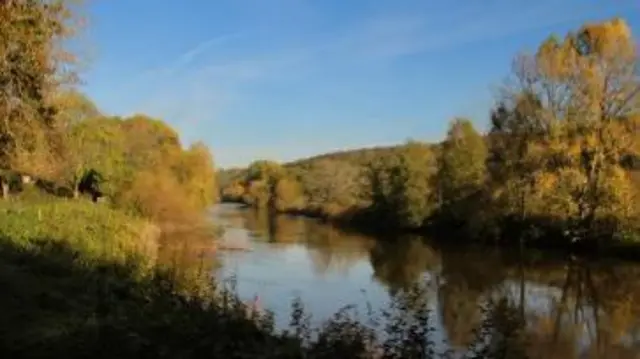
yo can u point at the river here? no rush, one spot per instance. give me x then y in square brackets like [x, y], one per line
[572, 307]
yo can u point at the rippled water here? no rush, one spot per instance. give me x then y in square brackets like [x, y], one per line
[572, 307]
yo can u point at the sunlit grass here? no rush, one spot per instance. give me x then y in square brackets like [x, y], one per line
[96, 231]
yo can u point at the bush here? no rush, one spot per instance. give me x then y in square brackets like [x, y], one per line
[159, 197]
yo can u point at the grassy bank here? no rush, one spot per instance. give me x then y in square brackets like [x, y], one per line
[96, 231]
[77, 283]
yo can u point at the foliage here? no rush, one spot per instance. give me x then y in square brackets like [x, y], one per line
[196, 174]
[462, 171]
[331, 186]
[94, 144]
[288, 195]
[568, 119]
[559, 160]
[32, 67]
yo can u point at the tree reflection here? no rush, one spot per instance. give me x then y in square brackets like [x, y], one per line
[591, 313]
[274, 228]
[399, 263]
[528, 305]
[187, 252]
[334, 249]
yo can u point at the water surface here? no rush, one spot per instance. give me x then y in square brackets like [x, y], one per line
[572, 308]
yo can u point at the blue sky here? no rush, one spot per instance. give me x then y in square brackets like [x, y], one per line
[284, 79]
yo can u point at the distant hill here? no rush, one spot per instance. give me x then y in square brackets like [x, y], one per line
[357, 156]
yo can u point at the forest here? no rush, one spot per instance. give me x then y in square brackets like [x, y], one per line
[558, 164]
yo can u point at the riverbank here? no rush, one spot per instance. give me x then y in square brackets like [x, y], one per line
[80, 280]
[78, 284]
[555, 243]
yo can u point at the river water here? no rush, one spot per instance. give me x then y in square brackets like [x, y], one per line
[573, 308]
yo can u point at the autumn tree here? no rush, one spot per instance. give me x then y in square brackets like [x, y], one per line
[262, 177]
[73, 107]
[265, 170]
[233, 191]
[258, 193]
[151, 143]
[196, 173]
[332, 185]
[32, 68]
[288, 195]
[573, 104]
[159, 196]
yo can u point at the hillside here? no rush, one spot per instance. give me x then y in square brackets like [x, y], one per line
[358, 157]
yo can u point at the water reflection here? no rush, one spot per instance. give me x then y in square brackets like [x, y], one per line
[397, 263]
[187, 250]
[549, 308]
[334, 251]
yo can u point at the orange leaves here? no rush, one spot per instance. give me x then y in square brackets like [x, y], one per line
[607, 39]
[555, 59]
[569, 122]
[159, 196]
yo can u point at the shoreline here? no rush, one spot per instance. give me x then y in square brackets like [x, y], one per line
[592, 250]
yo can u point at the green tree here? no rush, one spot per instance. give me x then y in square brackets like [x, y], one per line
[461, 167]
[412, 180]
[95, 144]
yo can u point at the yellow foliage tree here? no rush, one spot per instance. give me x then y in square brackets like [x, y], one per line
[288, 195]
[572, 120]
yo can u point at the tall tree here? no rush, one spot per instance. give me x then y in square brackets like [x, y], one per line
[332, 184]
[575, 100]
[151, 143]
[413, 181]
[32, 68]
[96, 144]
[461, 166]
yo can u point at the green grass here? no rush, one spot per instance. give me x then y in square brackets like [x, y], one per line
[97, 232]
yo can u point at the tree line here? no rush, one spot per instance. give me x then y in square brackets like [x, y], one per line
[559, 161]
[52, 133]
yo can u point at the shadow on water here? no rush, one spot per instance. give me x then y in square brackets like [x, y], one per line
[565, 308]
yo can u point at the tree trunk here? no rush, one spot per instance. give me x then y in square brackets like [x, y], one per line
[76, 191]
[5, 188]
